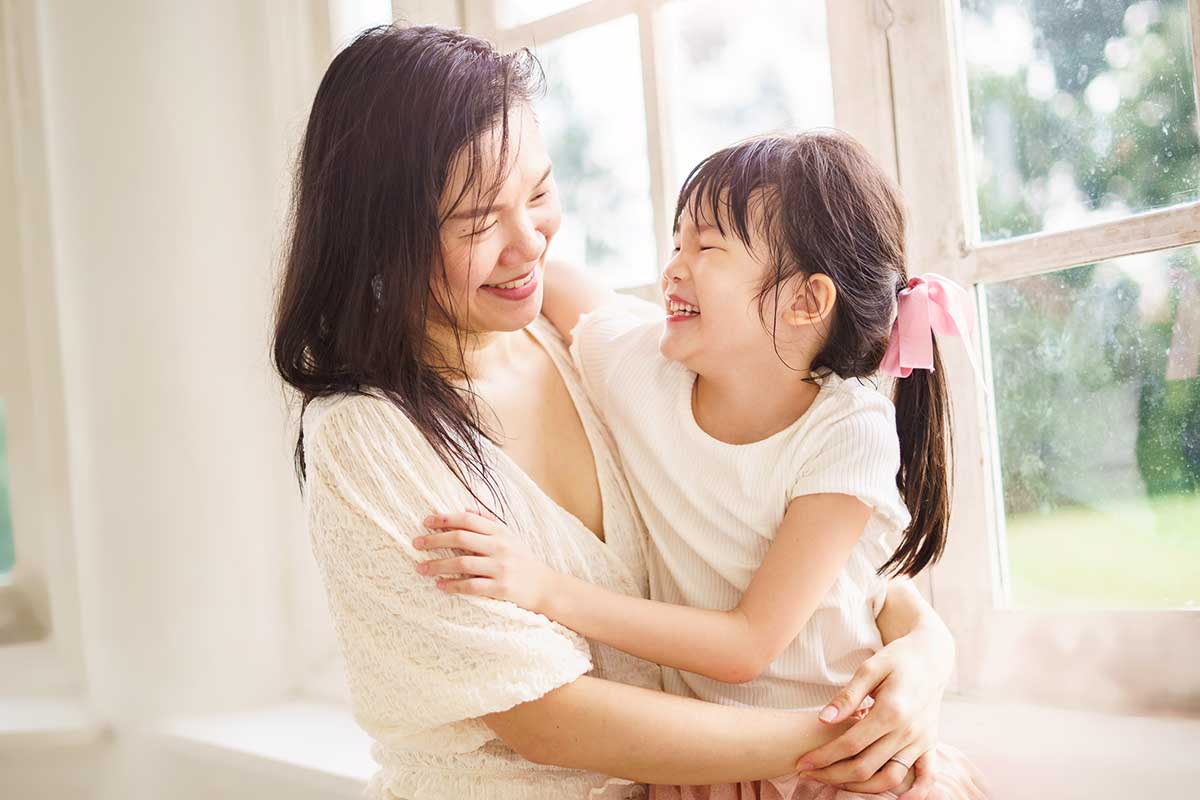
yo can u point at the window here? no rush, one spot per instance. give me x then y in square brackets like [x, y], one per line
[1048, 155]
[639, 92]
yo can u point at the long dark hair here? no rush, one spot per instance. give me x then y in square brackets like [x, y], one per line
[829, 209]
[394, 111]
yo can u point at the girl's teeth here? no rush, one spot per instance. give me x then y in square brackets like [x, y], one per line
[681, 308]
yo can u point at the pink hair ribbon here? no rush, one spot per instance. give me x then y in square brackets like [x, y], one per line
[929, 304]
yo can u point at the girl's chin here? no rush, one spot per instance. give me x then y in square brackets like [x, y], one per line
[672, 348]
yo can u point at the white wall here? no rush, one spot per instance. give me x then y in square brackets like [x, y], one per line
[169, 129]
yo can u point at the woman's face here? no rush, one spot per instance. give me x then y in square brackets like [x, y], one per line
[494, 249]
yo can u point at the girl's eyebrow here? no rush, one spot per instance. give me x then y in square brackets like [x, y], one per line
[483, 211]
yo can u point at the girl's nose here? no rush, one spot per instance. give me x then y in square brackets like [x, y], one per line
[674, 271]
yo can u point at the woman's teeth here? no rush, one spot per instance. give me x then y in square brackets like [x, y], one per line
[682, 308]
[517, 284]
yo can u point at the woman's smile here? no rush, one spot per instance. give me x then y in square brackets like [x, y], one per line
[518, 289]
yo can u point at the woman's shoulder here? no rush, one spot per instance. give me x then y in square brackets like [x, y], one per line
[365, 415]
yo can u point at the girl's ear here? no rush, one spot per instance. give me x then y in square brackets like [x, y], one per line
[812, 302]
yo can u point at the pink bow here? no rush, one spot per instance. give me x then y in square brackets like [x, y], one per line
[929, 304]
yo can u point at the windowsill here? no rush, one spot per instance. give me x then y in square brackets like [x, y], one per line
[1039, 751]
[1022, 750]
[42, 723]
[316, 743]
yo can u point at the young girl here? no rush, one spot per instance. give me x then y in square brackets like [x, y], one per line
[769, 468]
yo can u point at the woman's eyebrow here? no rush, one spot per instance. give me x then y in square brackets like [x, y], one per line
[483, 211]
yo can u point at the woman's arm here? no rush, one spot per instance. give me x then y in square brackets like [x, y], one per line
[570, 292]
[422, 659]
[907, 679]
[653, 737]
[809, 550]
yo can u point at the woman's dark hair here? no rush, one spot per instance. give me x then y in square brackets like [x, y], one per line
[820, 205]
[395, 110]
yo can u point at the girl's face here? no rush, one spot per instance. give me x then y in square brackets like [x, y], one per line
[711, 285]
[494, 249]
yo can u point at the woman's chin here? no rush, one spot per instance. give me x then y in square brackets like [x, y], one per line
[502, 315]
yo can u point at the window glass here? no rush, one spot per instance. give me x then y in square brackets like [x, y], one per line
[736, 75]
[594, 121]
[1098, 414]
[1081, 112]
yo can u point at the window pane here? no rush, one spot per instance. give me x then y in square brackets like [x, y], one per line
[1080, 111]
[594, 122]
[1098, 413]
[510, 13]
[6, 532]
[735, 75]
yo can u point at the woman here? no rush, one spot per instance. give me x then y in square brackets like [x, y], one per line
[409, 322]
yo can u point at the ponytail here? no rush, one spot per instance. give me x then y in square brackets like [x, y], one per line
[925, 428]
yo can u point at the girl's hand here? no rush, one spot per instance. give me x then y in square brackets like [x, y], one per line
[501, 565]
[906, 679]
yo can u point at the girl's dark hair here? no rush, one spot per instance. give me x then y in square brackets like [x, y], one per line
[819, 204]
[394, 111]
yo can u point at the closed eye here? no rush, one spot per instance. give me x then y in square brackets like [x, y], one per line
[478, 231]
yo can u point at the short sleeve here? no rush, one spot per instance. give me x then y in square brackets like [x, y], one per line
[854, 449]
[596, 340]
[418, 659]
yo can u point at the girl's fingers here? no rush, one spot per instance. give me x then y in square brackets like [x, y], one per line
[459, 565]
[478, 543]
[484, 587]
[483, 512]
[863, 767]
[464, 520]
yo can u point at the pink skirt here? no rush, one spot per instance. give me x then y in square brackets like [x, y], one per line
[788, 787]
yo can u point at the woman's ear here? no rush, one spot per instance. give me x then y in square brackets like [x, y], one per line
[812, 302]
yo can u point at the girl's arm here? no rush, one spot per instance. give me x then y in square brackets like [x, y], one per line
[654, 737]
[568, 293]
[810, 549]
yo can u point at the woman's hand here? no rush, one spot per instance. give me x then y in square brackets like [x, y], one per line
[500, 564]
[906, 679]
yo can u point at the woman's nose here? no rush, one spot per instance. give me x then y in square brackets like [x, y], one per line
[528, 243]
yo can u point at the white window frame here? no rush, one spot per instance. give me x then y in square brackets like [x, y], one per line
[1064, 657]
[41, 593]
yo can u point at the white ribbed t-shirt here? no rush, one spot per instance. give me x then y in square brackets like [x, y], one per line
[712, 508]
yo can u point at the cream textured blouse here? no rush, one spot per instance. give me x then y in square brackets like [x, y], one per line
[424, 665]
